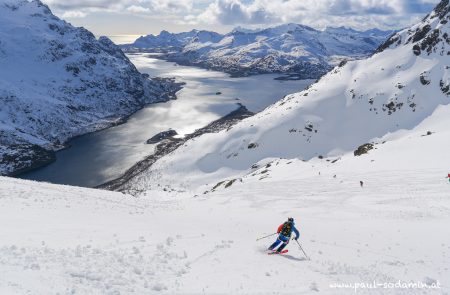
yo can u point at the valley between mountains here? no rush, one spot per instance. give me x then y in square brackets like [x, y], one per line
[358, 158]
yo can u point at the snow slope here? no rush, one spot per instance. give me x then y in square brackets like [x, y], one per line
[287, 48]
[59, 239]
[57, 82]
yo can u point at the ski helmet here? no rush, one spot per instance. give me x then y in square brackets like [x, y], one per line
[290, 219]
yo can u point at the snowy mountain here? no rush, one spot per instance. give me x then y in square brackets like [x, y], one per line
[373, 218]
[291, 48]
[173, 41]
[356, 107]
[57, 82]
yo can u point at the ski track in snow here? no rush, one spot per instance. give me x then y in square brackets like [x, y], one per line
[81, 241]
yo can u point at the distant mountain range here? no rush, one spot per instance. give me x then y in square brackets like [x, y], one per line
[57, 82]
[291, 48]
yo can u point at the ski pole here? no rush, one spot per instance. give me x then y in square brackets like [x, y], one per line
[302, 250]
[266, 236]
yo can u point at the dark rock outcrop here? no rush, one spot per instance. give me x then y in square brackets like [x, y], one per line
[161, 136]
[363, 149]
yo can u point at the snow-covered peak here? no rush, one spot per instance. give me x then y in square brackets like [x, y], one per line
[17, 12]
[58, 81]
[167, 40]
[341, 29]
[287, 28]
[26, 5]
[430, 35]
[206, 36]
[164, 33]
[376, 32]
[240, 29]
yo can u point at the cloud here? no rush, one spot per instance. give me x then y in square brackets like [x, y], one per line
[74, 14]
[138, 9]
[349, 7]
[231, 12]
[68, 5]
[257, 13]
[417, 6]
[75, 8]
[172, 5]
[318, 13]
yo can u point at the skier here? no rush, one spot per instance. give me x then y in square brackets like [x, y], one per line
[284, 235]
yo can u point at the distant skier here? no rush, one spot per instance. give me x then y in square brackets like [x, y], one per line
[284, 235]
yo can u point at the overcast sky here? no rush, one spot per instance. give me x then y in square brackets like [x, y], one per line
[141, 17]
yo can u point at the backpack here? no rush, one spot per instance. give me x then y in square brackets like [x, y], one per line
[287, 229]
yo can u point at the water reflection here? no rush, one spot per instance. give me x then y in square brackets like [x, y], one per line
[98, 157]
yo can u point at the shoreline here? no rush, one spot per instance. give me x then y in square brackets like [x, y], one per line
[132, 165]
[161, 55]
[169, 145]
[96, 127]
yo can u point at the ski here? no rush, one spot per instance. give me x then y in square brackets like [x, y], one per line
[275, 252]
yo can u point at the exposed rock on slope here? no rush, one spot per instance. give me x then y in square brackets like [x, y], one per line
[57, 82]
